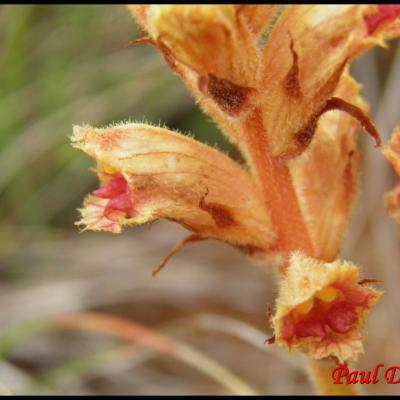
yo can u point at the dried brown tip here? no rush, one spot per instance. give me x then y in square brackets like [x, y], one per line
[291, 83]
[231, 98]
[178, 246]
[336, 103]
[368, 281]
[336, 360]
[140, 41]
[270, 340]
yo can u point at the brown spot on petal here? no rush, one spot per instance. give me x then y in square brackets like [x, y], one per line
[348, 176]
[336, 40]
[251, 250]
[221, 216]
[230, 97]
[304, 136]
[291, 83]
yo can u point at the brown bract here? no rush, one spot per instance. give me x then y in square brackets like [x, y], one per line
[325, 175]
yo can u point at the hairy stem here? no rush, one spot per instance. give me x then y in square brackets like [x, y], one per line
[278, 190]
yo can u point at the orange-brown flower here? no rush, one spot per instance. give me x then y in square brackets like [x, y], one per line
[147, 173]
[321, 308]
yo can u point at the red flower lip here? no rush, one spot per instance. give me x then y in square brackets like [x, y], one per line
[386, 12]
[115, 187]
[118, 192]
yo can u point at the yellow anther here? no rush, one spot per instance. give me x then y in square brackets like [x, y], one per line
[108, 170]
[327, 294]
[305, 307]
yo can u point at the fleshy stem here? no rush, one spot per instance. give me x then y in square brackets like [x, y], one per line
[278, 191]
[287, 219]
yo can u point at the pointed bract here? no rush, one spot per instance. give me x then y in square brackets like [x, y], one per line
[325, 176]
[212, 40]
[304, 58]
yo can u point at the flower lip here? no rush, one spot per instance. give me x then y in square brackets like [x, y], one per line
[342, 317]
[115, 187]
[322, 307]
[386, 12]
[314, 317]
[323, 315]
[310, 327]
[327, 321]
[120, 198]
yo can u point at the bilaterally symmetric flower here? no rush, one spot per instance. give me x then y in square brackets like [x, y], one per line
[276, 80]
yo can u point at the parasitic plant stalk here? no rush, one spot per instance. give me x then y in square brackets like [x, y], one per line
[276, 81]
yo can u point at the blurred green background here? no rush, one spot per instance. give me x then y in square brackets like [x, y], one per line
[64, 65]
[70, 64]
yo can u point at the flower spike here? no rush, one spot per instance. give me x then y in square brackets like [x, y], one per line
[276, 81]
